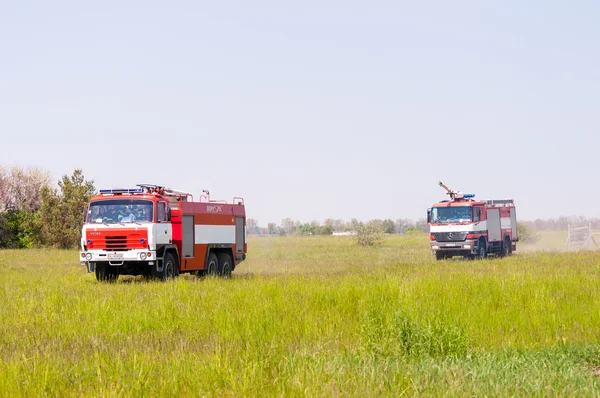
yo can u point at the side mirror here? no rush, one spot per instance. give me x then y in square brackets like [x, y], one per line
[428, 216]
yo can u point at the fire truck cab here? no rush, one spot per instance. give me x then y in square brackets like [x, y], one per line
[158, 232]
[463, 226]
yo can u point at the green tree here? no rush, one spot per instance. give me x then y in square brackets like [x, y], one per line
[7, 238]
[61, 215]
[526, 234]
[388, 226]
[306, 229]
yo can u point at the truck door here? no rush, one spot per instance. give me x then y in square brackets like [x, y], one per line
[187, 234]
[163, 231]
[240, 235]
[493, 225]
[513, 222]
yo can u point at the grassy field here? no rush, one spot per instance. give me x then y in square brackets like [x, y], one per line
[306, 316]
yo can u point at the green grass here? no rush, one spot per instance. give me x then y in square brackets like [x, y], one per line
[306, 316]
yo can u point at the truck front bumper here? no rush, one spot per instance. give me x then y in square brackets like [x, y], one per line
[88, 258]
[456, 248]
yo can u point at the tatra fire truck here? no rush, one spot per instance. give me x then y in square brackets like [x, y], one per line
[159, 232]
[463, 226]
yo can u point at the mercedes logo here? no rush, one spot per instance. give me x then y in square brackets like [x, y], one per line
[450, 235]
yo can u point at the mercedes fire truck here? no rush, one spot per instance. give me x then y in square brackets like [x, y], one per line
[463, 226]
[159, 232]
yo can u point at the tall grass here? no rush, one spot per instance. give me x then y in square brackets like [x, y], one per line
[306, 316]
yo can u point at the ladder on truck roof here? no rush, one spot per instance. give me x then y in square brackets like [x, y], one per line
[179, 195]
[499, 202]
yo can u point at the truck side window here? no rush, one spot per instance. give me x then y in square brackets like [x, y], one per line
[476, 214]
[160, 212]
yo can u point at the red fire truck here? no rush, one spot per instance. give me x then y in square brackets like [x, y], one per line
[463, 226]
[158, 232]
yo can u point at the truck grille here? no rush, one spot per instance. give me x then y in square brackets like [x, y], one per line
[113, 239]
[450, 236]
[116, 243]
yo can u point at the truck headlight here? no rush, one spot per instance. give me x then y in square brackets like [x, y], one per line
[435, 247]
[88, 256]
[143, 256]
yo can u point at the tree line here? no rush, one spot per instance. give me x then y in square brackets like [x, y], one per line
[329, 226]
[399, 226]
[34, 213]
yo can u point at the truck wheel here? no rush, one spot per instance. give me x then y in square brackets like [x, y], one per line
[212, 266]
[481, 250]
[506, 248]
[106, 273]
[168, 271]
[439, 256]
[225, 266]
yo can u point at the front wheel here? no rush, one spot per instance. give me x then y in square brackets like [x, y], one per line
[439, 256]
[106, 273]
[168, 269]
[481, 250]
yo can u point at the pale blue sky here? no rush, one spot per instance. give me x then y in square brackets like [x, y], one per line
[311, 109]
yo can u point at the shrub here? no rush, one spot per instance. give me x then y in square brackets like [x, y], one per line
[368, 235]
[526, 234]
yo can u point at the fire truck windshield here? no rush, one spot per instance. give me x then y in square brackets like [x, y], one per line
[451, 214]
[120, 211]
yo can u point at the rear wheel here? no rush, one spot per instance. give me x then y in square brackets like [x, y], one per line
[506, 249]
[225, 266]
[212, 266]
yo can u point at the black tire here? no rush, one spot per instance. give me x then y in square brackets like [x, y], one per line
[168, 270]
[439, 256]
[481, 250]
[106, 273]
[212, 265]
[225, 265]
[505, 248]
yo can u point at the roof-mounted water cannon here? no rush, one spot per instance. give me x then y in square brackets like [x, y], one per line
[456, 195]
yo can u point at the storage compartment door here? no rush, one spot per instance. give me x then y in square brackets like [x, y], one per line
[240, 234]
[513, 222]
[493, 224]
[187, 245]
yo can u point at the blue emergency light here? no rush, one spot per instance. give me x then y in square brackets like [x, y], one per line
[469, 195]
[120, 190]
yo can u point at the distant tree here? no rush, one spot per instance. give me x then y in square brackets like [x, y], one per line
[401, 224]
[20, 199]
[411, 229]
[526, 234]
[422, 225]
[388, 226]
[324, 230]
[306, 229]
[20, 188]
[61, 214]
[288, 226]
[252, 226]
[339, 225]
